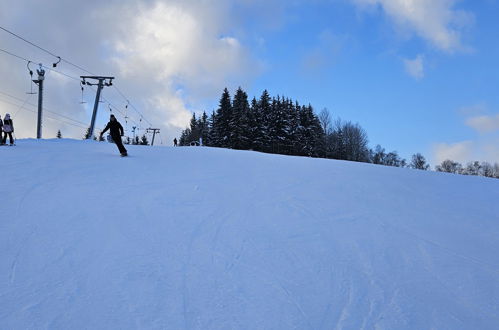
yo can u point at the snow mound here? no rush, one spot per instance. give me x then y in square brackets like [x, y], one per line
[203, 238]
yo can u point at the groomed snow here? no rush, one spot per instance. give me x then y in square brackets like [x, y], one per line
[203, 238]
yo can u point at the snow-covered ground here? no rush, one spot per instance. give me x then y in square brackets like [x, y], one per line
[203, 238]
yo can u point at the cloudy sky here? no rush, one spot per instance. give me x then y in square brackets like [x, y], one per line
[418, 75]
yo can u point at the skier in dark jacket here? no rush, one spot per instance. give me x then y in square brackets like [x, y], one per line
[1, 131]
[117, 132]
[8, 129]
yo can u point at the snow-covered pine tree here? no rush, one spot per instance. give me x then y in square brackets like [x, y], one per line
[87, 134]
[239, 133]
[311, 131]
[293, 127]
[211, 131]
[255, 125]
[222, 121]
[204, 128]
[264, 108]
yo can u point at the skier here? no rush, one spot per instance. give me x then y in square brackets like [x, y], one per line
[117, 132]
[175, 142]
[8, 129]
[1, 130]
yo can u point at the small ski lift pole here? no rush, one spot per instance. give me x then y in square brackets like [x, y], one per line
[82, 89]
[31, 79]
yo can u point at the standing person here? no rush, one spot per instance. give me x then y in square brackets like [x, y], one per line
[175, 142]
[117, 132]
[1, 131]
[8, 129]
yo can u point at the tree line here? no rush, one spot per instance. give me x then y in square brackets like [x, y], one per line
[472, 168]
[283, 126]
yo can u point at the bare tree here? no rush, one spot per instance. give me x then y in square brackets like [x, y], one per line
[450, 166]
[326, 121]
[418, 162]
[472, 168]
[487, 170]
[349, 141]
[496, 170]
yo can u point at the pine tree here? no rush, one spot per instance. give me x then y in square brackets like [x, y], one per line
[195, 131]
[204, 128]
[239, 134]
[210, 138]
[264, 116]
[59, 134]
[311, 131]
[222, 123]
[293, 128]
[87, 134]
[255, 125]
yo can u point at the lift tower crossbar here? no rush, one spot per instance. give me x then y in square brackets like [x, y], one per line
[101, 82]
[154, 131]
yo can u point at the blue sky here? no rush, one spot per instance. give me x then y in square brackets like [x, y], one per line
[418, 75]
[351, 61]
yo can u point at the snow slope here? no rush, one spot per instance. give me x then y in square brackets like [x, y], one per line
[202, 238]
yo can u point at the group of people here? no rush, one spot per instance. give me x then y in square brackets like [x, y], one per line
[6, 129]
[115, 128]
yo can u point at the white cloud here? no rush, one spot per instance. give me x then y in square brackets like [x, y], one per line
[484, 124]
[415, 67]
[481, 149]
[433, 20]
[169, 57]
[461, 152]
[473, 110]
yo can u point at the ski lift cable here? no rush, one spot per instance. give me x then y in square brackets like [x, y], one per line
[50, 116]
[45, 67]
[22, 105]
[44, 108]
[29, 42]
[62, 73]
[14, 55]
[129, 103]
[115, 108]
[59, 59]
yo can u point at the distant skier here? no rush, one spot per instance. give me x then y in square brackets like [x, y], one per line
[8, 129]
[117, 132]
[1, 131]
[175, 142]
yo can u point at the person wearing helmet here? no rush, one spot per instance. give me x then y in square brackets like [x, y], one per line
[116, 131]
[8, 129]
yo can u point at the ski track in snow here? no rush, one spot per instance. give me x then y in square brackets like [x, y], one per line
[205, 238]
